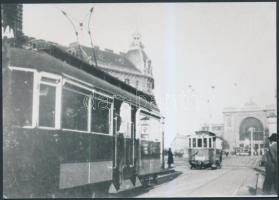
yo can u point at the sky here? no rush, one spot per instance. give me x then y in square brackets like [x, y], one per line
[205, 56]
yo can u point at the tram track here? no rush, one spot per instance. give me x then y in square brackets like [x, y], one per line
[210, 181]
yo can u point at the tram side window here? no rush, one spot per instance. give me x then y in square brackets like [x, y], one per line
[75, 110]
[22, 97]
[205, 142]
[47, 105]
[199, 142]
[100, 114]
[194, 142]
[189, 142]
[209, 143]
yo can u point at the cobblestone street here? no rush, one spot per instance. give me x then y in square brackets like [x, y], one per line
[233, 179]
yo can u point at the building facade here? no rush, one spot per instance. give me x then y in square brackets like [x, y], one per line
[133, 67]
[250, 120]
[180, 144]
[218, 129]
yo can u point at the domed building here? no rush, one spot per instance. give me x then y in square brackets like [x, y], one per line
[241, 122]
[133, 67]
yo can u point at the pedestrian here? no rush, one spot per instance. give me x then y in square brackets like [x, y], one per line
[270, 185]
[170, 158]
[227, 153]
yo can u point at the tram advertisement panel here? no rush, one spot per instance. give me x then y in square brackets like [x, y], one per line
[149, 131]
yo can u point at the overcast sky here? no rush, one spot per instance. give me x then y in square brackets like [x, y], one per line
[193, 46]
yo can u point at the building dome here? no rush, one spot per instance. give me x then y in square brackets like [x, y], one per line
[138, 57]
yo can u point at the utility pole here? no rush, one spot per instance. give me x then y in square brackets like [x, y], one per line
[251, 135]
[163, 146]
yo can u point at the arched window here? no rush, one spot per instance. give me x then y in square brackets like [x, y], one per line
[245, 129]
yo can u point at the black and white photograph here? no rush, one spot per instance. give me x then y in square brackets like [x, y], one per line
[139, 100]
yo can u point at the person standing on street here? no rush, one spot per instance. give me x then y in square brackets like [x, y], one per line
[170, 158]
[270, 185]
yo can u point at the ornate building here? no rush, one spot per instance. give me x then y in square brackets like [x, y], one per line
[133, 67]
[240, 122]
[180, 144]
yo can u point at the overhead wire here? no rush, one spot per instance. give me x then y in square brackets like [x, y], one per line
[90, 36]
[77, 33]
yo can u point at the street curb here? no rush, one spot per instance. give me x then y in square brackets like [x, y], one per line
[167, 177]
[258, 169]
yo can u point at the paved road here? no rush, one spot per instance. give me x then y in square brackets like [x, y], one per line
[233, 179]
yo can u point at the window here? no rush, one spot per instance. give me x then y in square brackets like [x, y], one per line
[47, 105]
[49, 100]
[189, 142]
[205, 142]
[127, 81]
[22, 97]
[199, 142]
[100, 114]
[194, 142]
[210, 145]
[75, 108]
[149, 131]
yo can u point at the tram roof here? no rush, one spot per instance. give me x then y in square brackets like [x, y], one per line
[208, 133]
[205, 132]
[55, 60]
[61, 54]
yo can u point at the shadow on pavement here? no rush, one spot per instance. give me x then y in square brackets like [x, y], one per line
[150, 186]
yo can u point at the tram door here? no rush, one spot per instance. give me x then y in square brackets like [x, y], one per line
[124, 145]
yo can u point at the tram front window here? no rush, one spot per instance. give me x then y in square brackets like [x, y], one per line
[149, 128]
[199, 142]
[22, 97]
[205, 142]
[47, 106]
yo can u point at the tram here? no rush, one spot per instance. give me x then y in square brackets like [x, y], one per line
[205, 150]
[71, 128]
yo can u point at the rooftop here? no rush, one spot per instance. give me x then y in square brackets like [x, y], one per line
[108, 59]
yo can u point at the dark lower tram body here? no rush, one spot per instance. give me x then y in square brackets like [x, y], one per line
[204, 158]
[54, 161]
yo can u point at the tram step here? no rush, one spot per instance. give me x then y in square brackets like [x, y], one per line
[125, 185]
[167, 177]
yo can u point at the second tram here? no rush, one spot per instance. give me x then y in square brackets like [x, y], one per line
[205, 150]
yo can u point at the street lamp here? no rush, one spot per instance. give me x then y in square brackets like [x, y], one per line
[163, 146]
